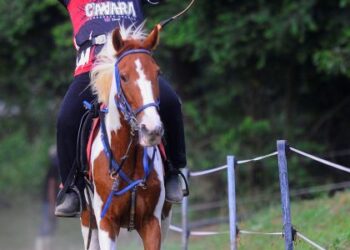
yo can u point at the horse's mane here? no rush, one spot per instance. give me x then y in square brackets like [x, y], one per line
[101, 74]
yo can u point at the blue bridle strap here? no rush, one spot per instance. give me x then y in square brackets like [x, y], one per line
[153, 104]
[121, 101]
[148, 164]
[118, 193]
[133, 51]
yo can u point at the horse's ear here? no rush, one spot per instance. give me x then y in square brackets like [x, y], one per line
[151, 42]
[117, 40]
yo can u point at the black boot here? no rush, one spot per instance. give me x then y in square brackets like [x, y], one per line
[173, 188]
[173, 185]
[69, 204]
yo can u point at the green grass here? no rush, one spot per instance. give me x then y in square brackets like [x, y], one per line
[326, 221]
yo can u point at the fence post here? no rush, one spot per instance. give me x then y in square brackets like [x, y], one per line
[184, 212]
[231, 162]
[284, 186]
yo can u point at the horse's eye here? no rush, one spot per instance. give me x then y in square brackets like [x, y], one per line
[124, 78]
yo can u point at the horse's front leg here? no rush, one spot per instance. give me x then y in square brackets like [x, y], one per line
[107, 232]
[166, 219]
[150, 234]
[87, 222]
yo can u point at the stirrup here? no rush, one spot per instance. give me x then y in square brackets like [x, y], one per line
[173, 170]
[186, 191]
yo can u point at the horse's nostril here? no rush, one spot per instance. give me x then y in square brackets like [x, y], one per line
[159, 130]
[143, 128]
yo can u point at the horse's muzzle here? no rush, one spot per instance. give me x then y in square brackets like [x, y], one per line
[150, 137]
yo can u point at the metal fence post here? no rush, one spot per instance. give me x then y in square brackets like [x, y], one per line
[184, 212]
[284, 186]
[232, 199]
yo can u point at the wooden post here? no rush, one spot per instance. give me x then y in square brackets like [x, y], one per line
[284, 186]
[231, 164]
[184, 212]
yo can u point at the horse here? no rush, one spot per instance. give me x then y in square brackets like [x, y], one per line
[127, 193]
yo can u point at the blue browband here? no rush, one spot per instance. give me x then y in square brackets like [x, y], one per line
[121, 101]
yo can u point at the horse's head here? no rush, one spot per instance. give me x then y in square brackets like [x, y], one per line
[135, 87]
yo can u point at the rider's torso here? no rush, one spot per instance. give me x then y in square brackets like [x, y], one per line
[92, 18]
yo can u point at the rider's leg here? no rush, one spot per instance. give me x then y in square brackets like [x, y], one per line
[171, 115]
[68, 122]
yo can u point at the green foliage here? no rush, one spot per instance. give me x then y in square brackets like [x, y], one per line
[260, 71]
[35, 68]
[22, 163]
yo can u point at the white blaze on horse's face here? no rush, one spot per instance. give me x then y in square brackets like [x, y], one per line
[151, 128]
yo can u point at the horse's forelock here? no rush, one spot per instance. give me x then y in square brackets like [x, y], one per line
[102, 71]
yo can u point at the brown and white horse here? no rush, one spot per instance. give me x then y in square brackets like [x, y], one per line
[125, 58]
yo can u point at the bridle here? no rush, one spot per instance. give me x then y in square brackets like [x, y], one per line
[121, 102]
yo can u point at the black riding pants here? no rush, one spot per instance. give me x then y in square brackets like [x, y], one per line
[72, 111]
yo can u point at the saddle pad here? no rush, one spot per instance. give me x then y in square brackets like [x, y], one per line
[93, 133]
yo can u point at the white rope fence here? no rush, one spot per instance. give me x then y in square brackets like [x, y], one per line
[213, 170]
[282, 163]
[194, 233]
[331, 164]
[260, 233]
[209, 171]
[246, 232]
[257, 158]
[325, 162]
[310, 241]
[301, 236]
[208, 233]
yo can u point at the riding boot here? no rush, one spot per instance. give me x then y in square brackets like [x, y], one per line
[70, 204]
[173, 188]
[173, 185]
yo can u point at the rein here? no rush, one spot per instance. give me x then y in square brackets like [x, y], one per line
[130, 116]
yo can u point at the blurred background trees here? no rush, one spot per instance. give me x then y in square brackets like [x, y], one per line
[248, 72]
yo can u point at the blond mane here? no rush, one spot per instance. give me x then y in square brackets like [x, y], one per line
[102, 71]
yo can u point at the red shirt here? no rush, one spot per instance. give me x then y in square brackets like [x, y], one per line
[92, 18]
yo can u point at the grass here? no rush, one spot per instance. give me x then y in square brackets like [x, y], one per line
[324, 220]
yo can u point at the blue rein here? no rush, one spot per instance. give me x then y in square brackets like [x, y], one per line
[130, 116]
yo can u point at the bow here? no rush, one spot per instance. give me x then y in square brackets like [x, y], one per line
[166, 21]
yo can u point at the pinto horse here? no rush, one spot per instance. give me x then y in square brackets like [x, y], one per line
[127, 194]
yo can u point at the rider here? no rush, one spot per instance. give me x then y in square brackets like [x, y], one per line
[91, 21]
